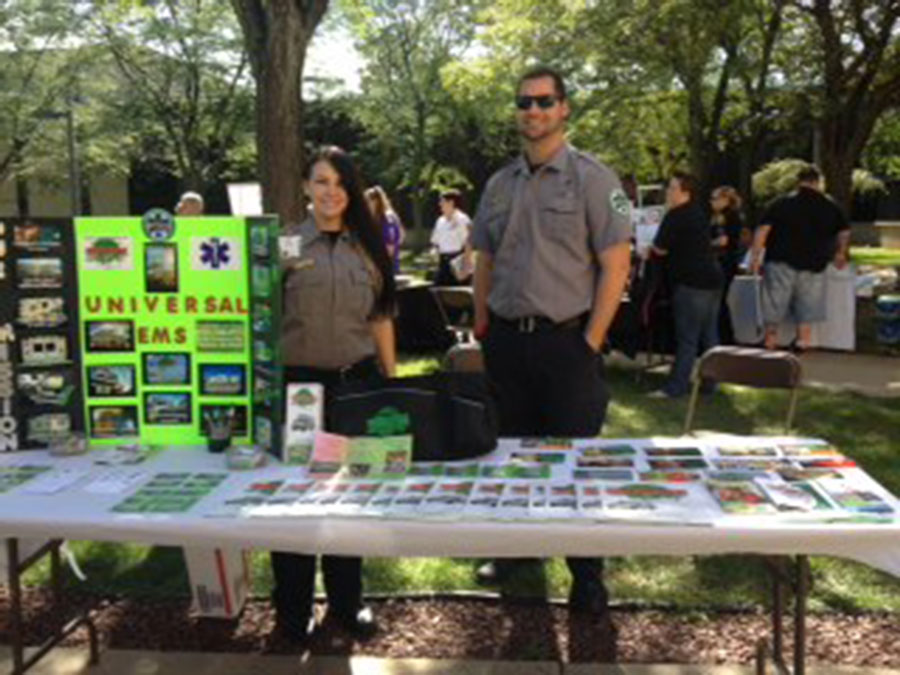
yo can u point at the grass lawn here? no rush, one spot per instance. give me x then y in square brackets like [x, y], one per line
[864, 428]
[871, 255]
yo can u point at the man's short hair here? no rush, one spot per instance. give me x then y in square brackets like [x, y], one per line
[452, 195]
[539, 72]
[809, 174]
[688, 183]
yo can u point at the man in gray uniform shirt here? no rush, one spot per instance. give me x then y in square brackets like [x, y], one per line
[552, 234]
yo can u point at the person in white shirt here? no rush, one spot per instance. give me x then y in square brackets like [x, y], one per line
[451, 238]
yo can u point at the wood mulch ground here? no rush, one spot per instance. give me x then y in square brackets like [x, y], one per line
[480, 629]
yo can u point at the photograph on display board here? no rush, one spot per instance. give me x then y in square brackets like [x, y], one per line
[119, 421]
[161, 264]
[33, 237]
[167, 368]
[104, 254]
[238, 417]
[223, 379]
[47, 387]
[259, 240]
[221, 336]
[44, 350]
[262, 317]
[263, 430]
[262, 351]
[46, 312]
[111, 380]
[48, 428]
[39, 273]
[261, 280]
[263, 388]
[167, 408]
[109, 336]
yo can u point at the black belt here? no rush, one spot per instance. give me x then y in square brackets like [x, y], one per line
[361, 370]
[539, 324]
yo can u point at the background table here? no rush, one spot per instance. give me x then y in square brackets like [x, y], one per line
[838, 331]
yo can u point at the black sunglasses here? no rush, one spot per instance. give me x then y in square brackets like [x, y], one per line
[544, 102]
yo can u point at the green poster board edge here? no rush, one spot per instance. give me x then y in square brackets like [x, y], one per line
[268, 404]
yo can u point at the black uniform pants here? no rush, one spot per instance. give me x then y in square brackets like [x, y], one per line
[549, 382]
[295, 573]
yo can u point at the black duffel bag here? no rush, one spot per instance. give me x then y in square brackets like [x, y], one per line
[450, 415]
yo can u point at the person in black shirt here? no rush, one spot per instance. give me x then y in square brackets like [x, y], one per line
[730, 237]
[800, 234]
[696, 279]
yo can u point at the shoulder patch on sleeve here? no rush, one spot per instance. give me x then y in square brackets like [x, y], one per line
[618, 202]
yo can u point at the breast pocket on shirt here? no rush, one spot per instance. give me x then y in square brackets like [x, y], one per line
[561, 220]
[361, 291]
[304, 292]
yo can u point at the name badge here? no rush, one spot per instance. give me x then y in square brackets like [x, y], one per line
[290, 246]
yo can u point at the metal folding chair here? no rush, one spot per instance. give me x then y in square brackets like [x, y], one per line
[765, 369]
[457, 305]
[759, 368]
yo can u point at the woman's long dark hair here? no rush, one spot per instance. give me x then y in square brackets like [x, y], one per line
[359, 221]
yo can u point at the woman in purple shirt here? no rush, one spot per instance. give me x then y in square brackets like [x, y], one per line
[391, 228]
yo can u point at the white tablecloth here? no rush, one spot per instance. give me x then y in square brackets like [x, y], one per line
[77, 514]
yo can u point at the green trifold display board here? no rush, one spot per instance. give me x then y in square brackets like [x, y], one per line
[165, 328]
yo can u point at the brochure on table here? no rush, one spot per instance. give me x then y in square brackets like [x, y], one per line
[179, 321]
[661, 481]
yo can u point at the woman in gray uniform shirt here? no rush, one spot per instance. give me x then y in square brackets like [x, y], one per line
[338, 306]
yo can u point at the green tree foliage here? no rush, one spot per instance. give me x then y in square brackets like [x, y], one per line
[404, 103]
[654, 82]
[882, 154]
[187, 81]
[37, 76]
[779, 178]
[847, 64]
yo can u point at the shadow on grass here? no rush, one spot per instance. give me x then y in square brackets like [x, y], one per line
[732, 577]
[122, 569]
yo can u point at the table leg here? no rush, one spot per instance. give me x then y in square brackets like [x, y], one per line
[16, 568]
[801, 591]
[55, 576]
[15, 603]
[795, 574]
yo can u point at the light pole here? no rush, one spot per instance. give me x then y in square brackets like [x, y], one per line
[74, 177]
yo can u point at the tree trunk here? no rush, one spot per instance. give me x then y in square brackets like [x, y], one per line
[842, 137]
[23, 204]
[277, 34]
[837, 170]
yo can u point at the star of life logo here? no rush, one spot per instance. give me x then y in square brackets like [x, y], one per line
[216, 253]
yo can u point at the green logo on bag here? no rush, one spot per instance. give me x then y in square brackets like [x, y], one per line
[388, 422]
